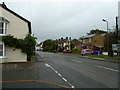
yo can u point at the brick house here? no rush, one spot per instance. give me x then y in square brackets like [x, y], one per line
[93, 41]
[76, 43]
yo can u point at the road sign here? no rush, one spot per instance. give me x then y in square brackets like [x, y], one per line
[115, 47]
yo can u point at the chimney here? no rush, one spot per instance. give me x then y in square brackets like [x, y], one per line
[3, 5]
[61, 38]
[67, 38]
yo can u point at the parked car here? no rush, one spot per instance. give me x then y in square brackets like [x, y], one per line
[86, 52]
[66, 51]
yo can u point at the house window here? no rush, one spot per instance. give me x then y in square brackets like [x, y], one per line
[83, 40]
[3, 25]
[89, 39]
[2, 50]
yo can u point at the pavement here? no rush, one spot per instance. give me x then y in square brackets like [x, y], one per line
[96, 58]
[102, 59]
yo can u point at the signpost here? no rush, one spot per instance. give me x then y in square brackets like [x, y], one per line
[115, 47]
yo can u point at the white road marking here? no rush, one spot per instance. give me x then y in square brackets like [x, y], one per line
[107, 68]
[64, 79]
[56, 72]
[60, 75]
[99, 58]
[47, 65]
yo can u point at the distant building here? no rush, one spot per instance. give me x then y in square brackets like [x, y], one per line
[63, 44]
[77, 44]
[93, 41]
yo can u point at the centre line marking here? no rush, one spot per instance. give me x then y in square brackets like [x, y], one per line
[47, 65]
[106, 68]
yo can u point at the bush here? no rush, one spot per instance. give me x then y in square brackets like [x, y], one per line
[74, 50]
[27, 45]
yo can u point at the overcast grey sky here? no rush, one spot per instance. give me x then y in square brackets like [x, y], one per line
[53, 19]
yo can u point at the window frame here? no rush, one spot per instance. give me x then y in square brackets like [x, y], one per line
[5, 25]
[4, 50]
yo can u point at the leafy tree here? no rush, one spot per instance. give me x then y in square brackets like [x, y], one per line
[50, 45]
[96, 31]
[111, 38]
[72, 46]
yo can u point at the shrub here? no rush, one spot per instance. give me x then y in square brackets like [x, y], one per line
[74, 50]
[27, 45]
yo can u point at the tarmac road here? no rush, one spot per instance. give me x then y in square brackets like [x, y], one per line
[81, 72]
[54, 70]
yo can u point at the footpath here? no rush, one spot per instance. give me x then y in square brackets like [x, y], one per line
[102, 59]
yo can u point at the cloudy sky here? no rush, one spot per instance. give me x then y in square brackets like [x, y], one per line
[53, 19]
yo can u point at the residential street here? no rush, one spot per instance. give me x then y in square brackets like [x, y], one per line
[62, 69]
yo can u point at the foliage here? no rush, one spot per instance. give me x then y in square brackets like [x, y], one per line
[27, 45]
[72, 46]
[96, 31]
[50, 45]
[74, 50]
[66, 46]
[111, 38]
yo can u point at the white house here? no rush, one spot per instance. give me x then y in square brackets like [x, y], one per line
[17, 26]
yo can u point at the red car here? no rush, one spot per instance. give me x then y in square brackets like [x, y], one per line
[66, 51]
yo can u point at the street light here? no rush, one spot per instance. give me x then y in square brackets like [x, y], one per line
[107, 34]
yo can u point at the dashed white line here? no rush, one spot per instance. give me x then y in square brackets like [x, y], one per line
[64, 79]
[107, 68]
[47, 65]
[60, 75]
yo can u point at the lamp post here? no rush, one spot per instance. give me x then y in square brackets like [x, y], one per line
[107, 34]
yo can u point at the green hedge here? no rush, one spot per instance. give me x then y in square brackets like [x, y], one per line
[27, 45]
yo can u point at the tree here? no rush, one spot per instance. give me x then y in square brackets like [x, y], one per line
[50, 45]
[96, 31]
[111, 38]
[72, 46]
